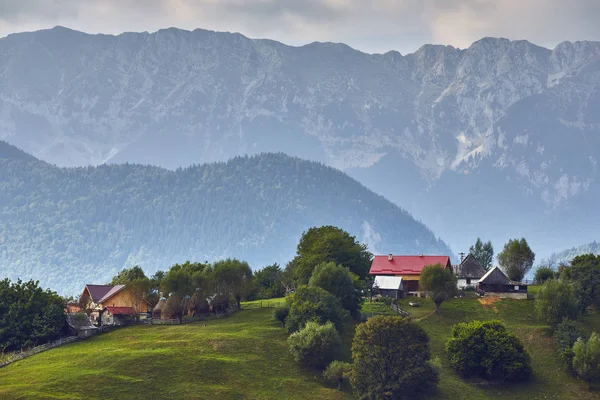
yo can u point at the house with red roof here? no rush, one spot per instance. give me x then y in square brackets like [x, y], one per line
[408, 268]
[114, 304]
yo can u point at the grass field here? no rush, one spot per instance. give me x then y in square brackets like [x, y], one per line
[245, 357]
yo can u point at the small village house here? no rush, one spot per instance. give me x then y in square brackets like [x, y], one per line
[118, 302]
[388, 286]
[496, 283]
[406, 267]
[468, 272]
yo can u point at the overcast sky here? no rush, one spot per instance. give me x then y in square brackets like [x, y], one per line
[369, 25]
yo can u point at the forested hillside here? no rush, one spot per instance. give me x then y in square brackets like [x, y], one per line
[71, 226]
[565, 256]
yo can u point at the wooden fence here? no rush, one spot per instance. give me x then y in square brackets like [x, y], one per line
[12, 357]
[263, 304]
[400, 311]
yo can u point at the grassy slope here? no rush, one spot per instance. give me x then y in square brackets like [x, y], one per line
[241, 357]
[245, 356]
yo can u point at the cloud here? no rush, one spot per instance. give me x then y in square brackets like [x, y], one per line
[371, 25]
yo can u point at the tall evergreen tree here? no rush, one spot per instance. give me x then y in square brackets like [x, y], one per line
[483, 253]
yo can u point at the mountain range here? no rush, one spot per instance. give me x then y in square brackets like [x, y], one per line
[70, 226]
[498, 140]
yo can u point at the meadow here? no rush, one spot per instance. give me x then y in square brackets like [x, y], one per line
[245, 356]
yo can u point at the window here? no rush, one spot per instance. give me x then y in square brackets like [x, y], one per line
[516, 287]
[468, 281]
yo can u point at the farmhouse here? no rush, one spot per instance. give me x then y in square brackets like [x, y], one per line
[496, 283]
[468, 272]
[408, 268]
[116, 301]
[388, 286]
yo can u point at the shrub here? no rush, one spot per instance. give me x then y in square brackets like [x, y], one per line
[315, 345]
[314, 304]
[542, 274]
[488, 350]
[555, 301]
[391, 359]
[565, 336]
[586, 359]
[281, 314]
[337, 372]
[337, 281]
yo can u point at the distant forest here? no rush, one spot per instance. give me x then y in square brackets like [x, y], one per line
[69, 226]
[565, 256]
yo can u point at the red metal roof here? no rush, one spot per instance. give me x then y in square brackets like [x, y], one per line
[405, 265]
[121, 310]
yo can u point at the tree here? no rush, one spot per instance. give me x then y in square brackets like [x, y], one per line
[542, 274]
[586, 359]
[135, 279]
[483, 253]
[315, 345]
[235, 276]
[314, 304]
[516, 259]
[487, 350]
[336, 372]
[268, 283]
[391, 359]
[281, 314]
[337, 281]
[328, 243]
[584, 273]
[29, 316]
[565, 335]
[439, 283]
[178, 281]
[556, 301]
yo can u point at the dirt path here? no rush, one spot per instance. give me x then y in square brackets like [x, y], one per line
[488, 302]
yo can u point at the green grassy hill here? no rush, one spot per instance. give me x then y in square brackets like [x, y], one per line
[245, 357]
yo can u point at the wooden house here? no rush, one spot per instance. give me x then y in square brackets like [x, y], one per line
[496, 283]
[468, 272]
[407, 267]
[123, 300]
[388, 286]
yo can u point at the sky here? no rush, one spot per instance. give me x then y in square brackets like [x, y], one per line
[374, 26]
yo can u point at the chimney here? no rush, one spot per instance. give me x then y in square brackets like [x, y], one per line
[390, 257]
[421, 255]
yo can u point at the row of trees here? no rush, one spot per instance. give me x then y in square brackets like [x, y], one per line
[566, 295]
[516, 258]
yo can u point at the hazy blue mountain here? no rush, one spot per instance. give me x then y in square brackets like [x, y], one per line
[565, 256]
[498, 140]
[71, 226]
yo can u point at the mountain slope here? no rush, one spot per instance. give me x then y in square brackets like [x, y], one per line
[565, 256]
[69, 226]
[512, 122]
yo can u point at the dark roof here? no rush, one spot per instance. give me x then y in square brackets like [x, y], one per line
[405, 265]
[495, 276]
[97, 292]
[469, 268]
[120, 310]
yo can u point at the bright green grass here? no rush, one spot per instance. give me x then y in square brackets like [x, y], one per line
[377, 308]
[264, 303]
[243, 356]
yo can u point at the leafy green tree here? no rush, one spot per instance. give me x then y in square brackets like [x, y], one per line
[268, 282]
[542, 274]
[337, 372]
[178, 281]
[391, 360]
[314, 304]
[135, 279]
[586, 359]
[584, 273]
[315, 345]
[439, 283]
[516, 259]
[29, 316]
[483, 253]
[337, 281]
[565, 335]
[487, 350]
[235, 276]
[330, 244]
[556, 301]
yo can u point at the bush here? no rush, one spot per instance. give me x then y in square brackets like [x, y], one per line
[555, 301]
[337, 372]
[337, 281]
[314, 304]
[487, 350]
[542, 274]
[281, 314]
[315, 345]
[565, 336]
[586, 359]
[391, 359]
